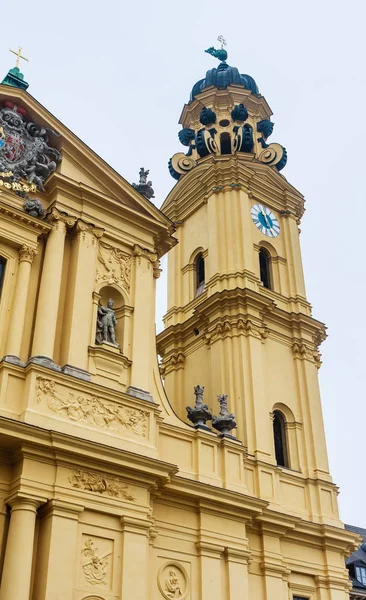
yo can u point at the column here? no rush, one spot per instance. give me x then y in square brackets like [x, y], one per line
[210, 569]
[135, 558]
[146, 265]
[17, 317]
[17, 571]
[79, 303]
[49, 293]
[57, 546]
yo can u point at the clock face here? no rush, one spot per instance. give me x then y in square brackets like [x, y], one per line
[265, 220]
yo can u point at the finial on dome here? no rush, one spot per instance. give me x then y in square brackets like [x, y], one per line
[221, 54]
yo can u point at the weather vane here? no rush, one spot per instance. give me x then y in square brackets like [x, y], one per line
[222, 41]
[221, 54]
[18, 55]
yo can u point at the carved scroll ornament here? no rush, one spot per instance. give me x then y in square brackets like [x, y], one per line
[95, 567]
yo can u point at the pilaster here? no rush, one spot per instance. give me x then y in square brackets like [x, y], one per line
[135, 557]
[79, 302]
[57, 550]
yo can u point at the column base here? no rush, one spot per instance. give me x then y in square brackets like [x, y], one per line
[44, 361]
[76, 372]
[13, 360]
[138, 393]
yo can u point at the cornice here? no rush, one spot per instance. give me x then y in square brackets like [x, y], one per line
[37, 443]
[227, 98]
[23, 219]
[224, 174]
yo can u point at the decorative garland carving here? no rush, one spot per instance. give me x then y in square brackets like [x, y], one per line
[94, 482]
[152, 257]
[27, 254]
[95, 567]
[91, 409]
[114, 266]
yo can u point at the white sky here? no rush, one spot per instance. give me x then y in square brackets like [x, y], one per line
[117, 74]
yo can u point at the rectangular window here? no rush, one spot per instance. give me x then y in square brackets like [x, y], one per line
[361, 575]
[299, 598]
[2, 272]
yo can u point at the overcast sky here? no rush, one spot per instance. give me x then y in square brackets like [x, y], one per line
[118, 73]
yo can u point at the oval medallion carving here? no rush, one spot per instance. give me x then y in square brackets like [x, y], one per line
[173, 581]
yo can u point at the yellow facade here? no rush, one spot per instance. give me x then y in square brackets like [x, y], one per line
[107, 493]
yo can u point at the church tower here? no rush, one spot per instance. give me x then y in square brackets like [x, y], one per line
[107, 492]
[238, 320]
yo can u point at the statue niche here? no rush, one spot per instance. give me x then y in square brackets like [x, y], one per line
[106, 324]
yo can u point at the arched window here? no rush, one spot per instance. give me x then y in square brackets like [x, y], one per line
[225, 143]
[280, 441]
[265, 268]
[200, 274]
[2, 272]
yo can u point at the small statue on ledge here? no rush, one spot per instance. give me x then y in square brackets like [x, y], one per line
[144, 187]
[106, 324]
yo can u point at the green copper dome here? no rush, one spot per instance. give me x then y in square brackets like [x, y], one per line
[221, 77]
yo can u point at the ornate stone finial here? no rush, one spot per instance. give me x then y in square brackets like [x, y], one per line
[200, 413]
[144, 187]
[225, 422]
[33, 206]
[221, 54]
[106, 325]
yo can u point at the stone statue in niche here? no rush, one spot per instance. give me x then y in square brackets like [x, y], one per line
[106, 324]
[172, 586]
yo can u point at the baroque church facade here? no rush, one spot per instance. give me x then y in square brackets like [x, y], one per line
[205, 477]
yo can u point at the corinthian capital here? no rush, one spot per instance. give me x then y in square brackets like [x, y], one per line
[152, 257]
[27, 254]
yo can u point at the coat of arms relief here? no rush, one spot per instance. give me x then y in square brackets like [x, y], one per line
[114, 266]
[25, 150]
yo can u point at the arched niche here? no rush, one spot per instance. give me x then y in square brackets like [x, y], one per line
[101, 297]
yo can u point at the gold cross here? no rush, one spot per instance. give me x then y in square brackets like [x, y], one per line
[222, 41]
[18, 55]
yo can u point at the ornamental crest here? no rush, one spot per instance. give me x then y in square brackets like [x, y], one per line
[24, 147]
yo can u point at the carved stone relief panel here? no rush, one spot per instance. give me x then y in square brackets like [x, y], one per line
[101, 484]
[114, 266]
[91, 409]
[97, 561]
[173, 581]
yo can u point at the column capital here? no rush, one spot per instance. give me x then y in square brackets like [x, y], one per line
[55, 216]
[152, 257]
[60, 508]
[137, 525]
[82, 228]
[27, 254]
[21, 501]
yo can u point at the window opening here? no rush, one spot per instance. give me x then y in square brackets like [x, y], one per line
[361, 575]
[265, 268]
[200, 274]
[2, 272]
[225, 143]
[279, 434]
